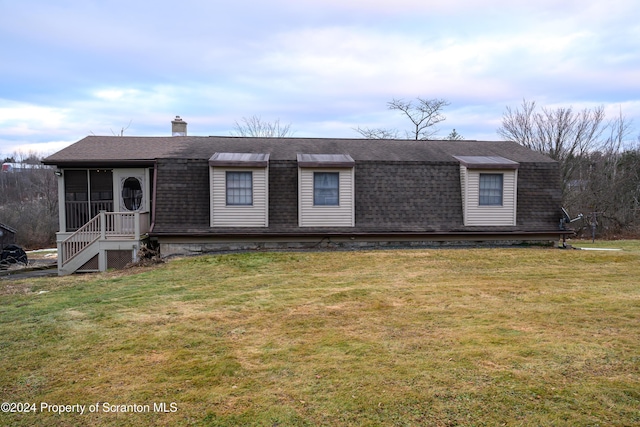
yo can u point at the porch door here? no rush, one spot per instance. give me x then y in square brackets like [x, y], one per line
[131, 190]
[131, 195]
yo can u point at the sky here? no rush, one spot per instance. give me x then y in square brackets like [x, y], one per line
[72, 68]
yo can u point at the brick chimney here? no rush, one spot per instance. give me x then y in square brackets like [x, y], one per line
[178, 127]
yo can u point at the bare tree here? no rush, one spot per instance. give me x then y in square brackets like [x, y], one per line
[29, 200]
[254, 126]
[454, 136]
[600, 174]
[562, 134]
[122, 129]
[423, 113]
[609, 187]
[619, 130]
[609, 179]
[377, 133]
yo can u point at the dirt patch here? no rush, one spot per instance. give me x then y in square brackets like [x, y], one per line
[15, 288]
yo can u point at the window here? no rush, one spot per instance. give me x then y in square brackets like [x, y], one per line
[325, 188]
[239, 188]
[491, 189]
[132, 194]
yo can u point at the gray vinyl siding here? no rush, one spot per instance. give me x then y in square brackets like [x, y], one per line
[255, 215]
[474, 213]
[342, 215]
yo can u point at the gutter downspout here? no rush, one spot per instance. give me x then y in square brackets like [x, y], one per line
[155, 192]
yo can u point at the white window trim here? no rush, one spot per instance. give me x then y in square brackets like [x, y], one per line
[475, 214]
[501, 175]
[315, 181]
[226, 188]
[254, 215]
[341, 215]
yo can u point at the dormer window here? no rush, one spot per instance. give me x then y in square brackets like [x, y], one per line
[239, 189]
[489, 190]
[326, 195]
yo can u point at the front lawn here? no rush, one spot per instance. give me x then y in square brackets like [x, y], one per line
[473, 337]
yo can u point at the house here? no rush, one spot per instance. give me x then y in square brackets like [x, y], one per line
[7, 235]
[194, 194]
[18, 167]
[7, 246]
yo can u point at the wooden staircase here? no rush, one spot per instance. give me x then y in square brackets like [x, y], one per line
[106, 231]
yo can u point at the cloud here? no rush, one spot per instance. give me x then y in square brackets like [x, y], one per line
[351, 61]
[41, 149]
[71, 67]
[22, 119]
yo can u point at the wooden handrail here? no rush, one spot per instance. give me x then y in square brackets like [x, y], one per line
[81, 238]
[129, 225]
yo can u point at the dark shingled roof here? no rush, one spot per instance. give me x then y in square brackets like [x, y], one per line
[128, 150]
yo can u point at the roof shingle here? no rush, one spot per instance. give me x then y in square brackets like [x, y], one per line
[106, 150]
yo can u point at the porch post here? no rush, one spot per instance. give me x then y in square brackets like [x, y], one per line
[62, 206]
[136, 225]
[103, 225]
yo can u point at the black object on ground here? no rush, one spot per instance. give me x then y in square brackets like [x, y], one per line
[12, 254]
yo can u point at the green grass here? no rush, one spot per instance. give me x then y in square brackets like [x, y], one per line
[477, 337]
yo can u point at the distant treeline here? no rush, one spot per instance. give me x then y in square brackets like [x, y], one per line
[29, 200]
[599, 162]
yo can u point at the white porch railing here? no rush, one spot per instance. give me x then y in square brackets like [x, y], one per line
[79, 213]
[105, 225]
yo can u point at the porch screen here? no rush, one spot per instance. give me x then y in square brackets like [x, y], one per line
[86, 193]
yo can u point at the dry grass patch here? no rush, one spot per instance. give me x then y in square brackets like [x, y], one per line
[417, 337]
